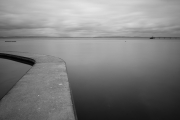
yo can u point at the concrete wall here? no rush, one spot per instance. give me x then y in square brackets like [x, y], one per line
[43, 93]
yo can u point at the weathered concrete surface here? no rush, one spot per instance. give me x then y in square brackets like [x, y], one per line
[41, 94]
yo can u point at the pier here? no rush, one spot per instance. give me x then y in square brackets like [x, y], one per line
[43, 93]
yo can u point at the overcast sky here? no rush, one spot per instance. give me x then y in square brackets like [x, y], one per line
[78, 18]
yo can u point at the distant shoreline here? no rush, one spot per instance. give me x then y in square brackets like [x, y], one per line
[87, 37]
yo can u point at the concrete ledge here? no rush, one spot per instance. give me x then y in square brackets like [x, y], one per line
[17, 58]
[41, 94]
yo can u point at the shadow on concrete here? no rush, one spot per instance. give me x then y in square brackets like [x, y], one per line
[17, 58]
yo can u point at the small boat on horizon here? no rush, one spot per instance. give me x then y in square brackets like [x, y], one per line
[152, 37]
[10, 41]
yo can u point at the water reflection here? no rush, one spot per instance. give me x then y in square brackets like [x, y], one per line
[114, 79]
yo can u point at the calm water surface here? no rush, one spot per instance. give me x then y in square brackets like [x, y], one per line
[111, 79]
[10, 73]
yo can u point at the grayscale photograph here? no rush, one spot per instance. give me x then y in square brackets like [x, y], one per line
[89, 59]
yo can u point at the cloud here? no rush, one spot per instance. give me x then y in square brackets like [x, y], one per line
[19, 21]
[83, 17]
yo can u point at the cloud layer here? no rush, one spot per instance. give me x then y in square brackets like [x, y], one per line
[89, 18]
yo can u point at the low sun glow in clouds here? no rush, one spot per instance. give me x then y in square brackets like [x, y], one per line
[89, 18]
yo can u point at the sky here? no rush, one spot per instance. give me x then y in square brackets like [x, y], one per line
[90, 18]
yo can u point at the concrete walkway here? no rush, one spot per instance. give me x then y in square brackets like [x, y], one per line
[43, 93]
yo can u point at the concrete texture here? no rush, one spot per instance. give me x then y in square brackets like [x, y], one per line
[43, 93]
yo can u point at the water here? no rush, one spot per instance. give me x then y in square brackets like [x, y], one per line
[112, 79]
[10, 73]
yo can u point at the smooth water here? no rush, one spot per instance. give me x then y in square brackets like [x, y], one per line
[113, 79]
[10, 73]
